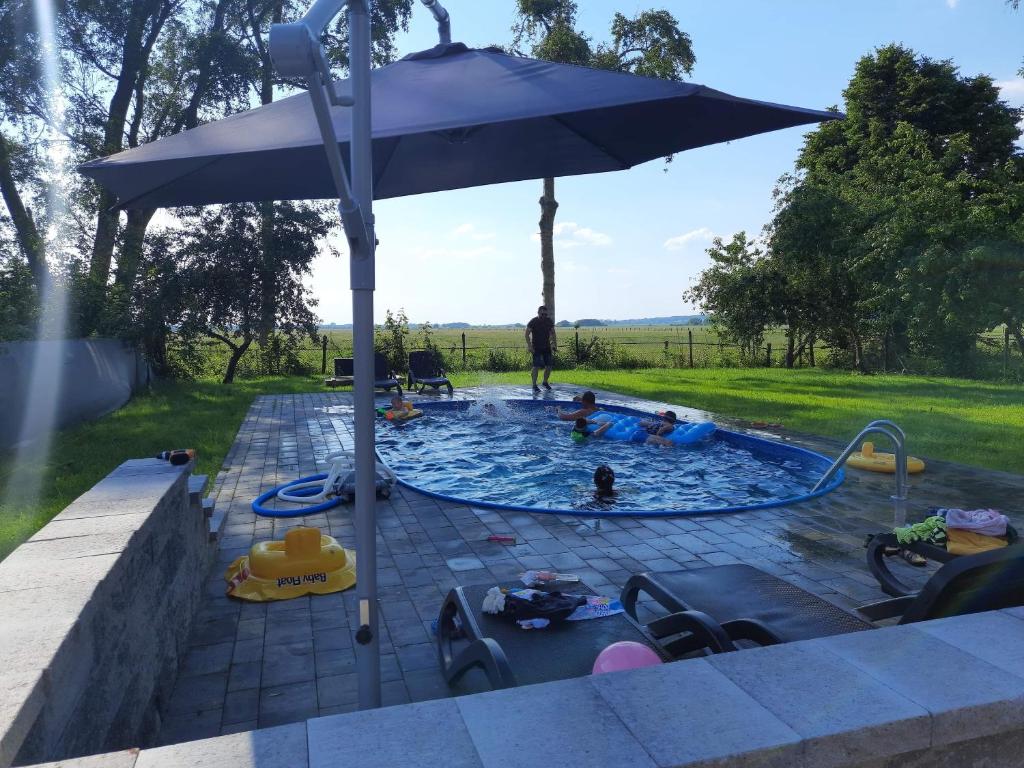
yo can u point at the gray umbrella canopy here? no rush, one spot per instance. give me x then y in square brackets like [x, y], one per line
[446, 118]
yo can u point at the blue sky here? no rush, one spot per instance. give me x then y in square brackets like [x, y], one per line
[628, 244]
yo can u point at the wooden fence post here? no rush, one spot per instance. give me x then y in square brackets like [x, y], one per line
[689, 334]
[323, 364]
[768, 356]
[463, 349]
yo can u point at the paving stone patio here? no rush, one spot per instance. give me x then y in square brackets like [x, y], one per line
[255, 665]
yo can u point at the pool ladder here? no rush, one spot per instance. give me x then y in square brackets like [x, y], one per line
[892, 431]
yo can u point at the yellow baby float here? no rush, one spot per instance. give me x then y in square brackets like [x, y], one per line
[404, 413]
[305, 562]
[867, 459]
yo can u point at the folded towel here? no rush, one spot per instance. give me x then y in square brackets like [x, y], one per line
[963, 542]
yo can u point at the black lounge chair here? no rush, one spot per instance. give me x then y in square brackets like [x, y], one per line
[344, 374]
[712, 609]
[882, 546]
[426, 370]
[468, 638]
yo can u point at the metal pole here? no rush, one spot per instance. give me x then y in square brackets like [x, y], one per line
[362, 280]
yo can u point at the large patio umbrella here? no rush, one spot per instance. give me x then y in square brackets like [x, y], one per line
[446, 118]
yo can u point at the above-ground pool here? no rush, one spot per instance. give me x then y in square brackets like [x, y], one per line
[515, 454]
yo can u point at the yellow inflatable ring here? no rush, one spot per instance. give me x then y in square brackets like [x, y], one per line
[306, 562]
[404, 415]
[867, 459]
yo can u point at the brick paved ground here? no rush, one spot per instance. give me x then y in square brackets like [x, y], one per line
[253, 665]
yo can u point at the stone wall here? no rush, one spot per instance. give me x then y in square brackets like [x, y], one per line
[97, 608]
[946, 693]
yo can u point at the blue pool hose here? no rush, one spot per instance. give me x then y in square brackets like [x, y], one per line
[259, 509]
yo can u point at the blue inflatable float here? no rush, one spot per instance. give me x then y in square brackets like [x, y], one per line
[626, 427]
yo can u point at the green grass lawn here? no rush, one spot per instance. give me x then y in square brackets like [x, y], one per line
[966, 421]
[200, 414]
[971, 422]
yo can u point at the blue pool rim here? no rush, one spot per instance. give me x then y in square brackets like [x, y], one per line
[737, 438]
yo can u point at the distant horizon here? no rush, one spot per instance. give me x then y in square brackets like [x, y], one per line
[688, 319]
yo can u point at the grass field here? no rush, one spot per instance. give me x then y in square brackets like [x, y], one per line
[200, 415]
[972, 422]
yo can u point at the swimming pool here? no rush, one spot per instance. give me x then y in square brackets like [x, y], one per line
[521, 458]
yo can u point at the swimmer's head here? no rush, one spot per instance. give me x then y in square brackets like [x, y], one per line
[396, 401]
[669, 416]
[588, 398]
[580, 425]
[604, 478]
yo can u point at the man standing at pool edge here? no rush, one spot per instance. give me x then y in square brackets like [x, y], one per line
[541, 343]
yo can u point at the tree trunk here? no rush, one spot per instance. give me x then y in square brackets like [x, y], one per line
[236, 355]
[858, 352]
[132, 62]
[30, 242]
[548, 208]
[128, 264]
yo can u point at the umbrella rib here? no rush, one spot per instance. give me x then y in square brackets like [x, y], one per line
[591, 142]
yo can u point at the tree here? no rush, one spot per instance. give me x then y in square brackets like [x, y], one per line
[20, 98]
[902, 226]
[216, 283]
[650, 44]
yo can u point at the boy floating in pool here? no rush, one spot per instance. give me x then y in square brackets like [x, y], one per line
[655, 432]
[579, 430]
[588, 406]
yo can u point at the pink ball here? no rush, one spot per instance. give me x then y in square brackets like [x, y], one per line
[625, 655]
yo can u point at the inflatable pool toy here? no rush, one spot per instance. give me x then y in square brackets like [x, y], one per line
[404, 413]
[625, 426]
[320, 492]
[867, 459]
[306, 562]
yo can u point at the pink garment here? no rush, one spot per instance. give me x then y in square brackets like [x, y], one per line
[987, 522]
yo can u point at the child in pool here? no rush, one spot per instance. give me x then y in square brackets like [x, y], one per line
[579, 429]
[655, 432]
[398, 407]
[588, 406]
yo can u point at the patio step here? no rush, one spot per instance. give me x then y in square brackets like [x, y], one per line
[196, 486]
[217, 517]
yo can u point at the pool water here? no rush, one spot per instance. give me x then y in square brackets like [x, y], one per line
[515, 454]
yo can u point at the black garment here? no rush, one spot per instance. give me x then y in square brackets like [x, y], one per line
[553, 606]
[540, 333]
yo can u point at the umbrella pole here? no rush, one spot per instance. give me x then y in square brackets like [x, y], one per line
[362, 281]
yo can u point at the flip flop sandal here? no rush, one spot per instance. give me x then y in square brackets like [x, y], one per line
[913, 558]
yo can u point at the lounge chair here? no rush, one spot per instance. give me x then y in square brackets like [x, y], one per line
[468, 638]
[425, 370]
[712, 609]
[384, 378]
[881, 547]
[342, 373]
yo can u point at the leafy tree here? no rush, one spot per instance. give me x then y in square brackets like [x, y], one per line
[650, 44]
[903, 225]
[216, 288]
[392, 340]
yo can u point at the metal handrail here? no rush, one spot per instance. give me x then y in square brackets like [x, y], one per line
[898, 437]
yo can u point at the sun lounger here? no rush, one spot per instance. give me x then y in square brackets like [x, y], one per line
[468, 638]
[344, 374]
[426, 370]
[712, 609]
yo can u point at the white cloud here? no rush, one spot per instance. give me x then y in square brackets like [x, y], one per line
[569, 234]
[952, 3]
[1011, 90]
[470, 231]
[679, 242]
